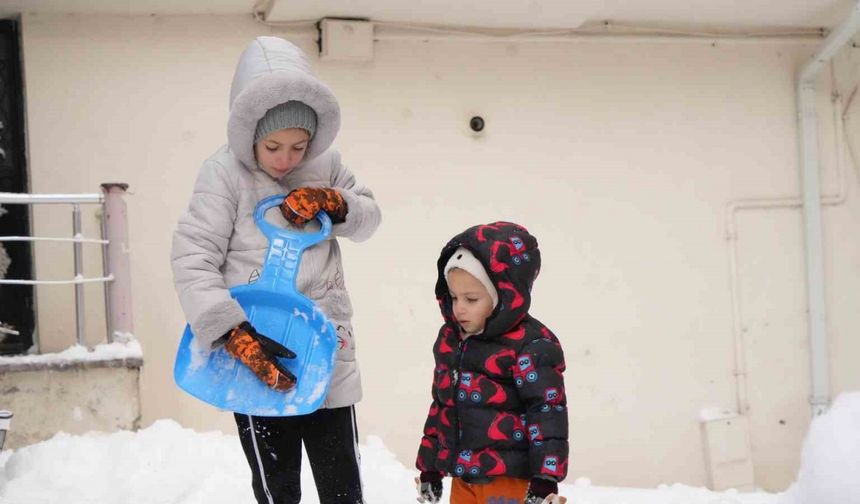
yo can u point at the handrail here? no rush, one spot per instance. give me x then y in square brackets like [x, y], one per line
[39, 238]
[28, 199]
[74, 281]
[114, 242]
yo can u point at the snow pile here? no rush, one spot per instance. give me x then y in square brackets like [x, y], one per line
[830, 463]
[162, 464]
[128, 349]
[582, 492]
[166, 463]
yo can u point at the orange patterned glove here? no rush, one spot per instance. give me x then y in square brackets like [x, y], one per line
[302, 205]
[260, 354]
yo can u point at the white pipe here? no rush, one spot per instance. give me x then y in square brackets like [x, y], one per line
[735, 206]
[398, 32]
[590, 37]
[808, 141]
[837, 38]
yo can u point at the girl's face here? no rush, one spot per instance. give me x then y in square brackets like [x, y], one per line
[282, 151]
[472, 302]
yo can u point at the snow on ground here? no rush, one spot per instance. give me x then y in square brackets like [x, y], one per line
[167, 463]
[830, 461]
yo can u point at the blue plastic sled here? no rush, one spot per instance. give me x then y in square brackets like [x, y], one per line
[276, 309]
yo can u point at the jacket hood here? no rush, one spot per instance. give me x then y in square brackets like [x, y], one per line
[510, 255]
[272, 71]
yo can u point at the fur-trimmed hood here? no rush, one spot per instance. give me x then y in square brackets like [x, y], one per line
[272, 71]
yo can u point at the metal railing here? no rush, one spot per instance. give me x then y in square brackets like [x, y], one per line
[115, 262]
[5, 423]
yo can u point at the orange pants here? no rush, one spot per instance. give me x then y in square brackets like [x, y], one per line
[502, 490]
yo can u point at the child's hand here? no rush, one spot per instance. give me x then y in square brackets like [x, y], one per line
[260, 354]
[543, 491]
[302, 205]
[429, 486]
[550, 499]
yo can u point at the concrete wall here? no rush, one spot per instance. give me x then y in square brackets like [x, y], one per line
[620, 156]
[71, 397]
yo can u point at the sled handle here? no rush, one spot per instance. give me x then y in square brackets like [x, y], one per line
[285, 246]
[270, 230]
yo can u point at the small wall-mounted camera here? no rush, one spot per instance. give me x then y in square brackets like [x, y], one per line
[476, 123]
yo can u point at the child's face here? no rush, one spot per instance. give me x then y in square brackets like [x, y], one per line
[472, 302]
[282, 151]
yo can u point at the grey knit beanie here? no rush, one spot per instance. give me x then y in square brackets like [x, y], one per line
[292, 114]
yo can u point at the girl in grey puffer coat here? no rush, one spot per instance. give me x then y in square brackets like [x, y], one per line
[282, 123]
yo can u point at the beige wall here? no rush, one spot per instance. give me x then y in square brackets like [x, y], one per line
[621, 157]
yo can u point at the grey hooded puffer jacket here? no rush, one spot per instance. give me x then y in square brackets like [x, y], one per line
[216, 244]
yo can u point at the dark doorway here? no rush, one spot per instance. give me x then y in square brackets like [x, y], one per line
[16, 301]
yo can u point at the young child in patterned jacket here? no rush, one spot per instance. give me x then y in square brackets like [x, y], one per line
[498, 421]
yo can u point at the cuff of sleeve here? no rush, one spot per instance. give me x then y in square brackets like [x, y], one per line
[361, 221]
[349, 223]
[430, 476]
[216, 321]
[541, 487]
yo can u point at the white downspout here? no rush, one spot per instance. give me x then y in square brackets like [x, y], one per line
[808, 131]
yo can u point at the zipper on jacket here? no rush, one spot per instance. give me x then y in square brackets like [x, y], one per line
[461, 349]
[455, 372]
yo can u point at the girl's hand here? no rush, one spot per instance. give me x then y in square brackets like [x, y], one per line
[261, 354]
[302, 205]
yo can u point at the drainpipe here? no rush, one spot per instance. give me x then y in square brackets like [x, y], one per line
[808, 131]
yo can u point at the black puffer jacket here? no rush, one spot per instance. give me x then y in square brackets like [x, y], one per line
[499, 405]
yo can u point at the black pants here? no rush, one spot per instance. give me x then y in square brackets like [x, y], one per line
[273, 446]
